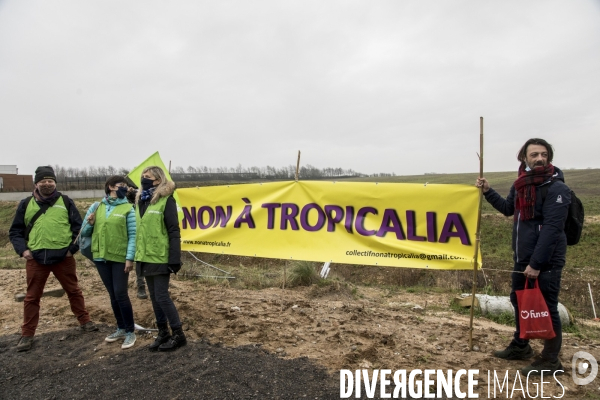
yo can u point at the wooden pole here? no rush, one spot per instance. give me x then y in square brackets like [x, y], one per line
[477, 235]
[284, 274]
[298, 166]
[169, 166]
[85, 221]
[297, 176]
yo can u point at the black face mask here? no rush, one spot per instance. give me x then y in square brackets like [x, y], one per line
[147, 184]
[122, 192]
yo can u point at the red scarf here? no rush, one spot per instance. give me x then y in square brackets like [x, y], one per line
[525, 188]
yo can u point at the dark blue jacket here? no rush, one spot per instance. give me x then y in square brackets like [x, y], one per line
[541, 241]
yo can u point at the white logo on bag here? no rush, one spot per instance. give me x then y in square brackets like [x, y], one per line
[559, 199]
[526, 314]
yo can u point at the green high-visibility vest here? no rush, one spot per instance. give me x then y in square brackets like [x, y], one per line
[52, 229]
[152, 240]
[109, 240]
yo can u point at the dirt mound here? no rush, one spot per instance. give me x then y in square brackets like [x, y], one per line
[70, 364]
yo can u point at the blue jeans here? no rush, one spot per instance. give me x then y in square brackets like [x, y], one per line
[164, 308]
[549, 282]
[115, 278]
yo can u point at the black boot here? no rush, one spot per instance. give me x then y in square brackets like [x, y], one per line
[163, 337]
[177, 340]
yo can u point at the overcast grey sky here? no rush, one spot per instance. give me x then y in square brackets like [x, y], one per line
[376, 86]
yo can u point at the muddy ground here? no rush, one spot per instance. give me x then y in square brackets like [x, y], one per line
[269, 344]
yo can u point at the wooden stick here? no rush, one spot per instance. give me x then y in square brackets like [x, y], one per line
[592, 297]
[284, 274]
[477, 235]
[298, 166]
[83, 224]
[79, 234]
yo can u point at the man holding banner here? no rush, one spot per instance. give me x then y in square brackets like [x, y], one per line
[539, 243]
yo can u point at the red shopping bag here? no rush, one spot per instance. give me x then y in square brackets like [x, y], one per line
[534, 317]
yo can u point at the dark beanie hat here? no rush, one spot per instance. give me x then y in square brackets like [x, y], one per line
[45, 172]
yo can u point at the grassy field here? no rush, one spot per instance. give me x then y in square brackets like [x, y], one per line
[255, 273]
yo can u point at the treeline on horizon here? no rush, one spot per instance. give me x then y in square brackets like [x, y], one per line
[207, 173]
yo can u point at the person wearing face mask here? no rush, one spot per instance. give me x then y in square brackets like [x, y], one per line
[112, 227]
[539, 201]
[158, 253]
[43, 232]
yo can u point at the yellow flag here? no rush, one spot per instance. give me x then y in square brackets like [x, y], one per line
[154, 160]
[136, 174]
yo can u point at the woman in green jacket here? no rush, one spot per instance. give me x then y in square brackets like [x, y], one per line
[112, 227]
[158, 253]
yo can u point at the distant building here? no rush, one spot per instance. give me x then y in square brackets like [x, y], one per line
[11, 181]
[9, 169]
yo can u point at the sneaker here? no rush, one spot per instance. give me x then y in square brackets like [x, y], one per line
[113, 337]
[88, 327]
[25, 343]
[549, 367]
[141, 293]
[129, 340]
[514, 352]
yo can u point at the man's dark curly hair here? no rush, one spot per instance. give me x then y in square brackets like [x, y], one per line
[522, 154]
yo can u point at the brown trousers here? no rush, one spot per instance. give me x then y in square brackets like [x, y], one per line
[37, 275]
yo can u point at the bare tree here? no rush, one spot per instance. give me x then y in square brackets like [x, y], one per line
[92, 175]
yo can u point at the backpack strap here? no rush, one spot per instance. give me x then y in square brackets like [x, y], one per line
[544, 190]
[43, 208]
[67, 200]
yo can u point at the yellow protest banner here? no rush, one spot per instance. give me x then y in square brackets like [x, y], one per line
[385, 224]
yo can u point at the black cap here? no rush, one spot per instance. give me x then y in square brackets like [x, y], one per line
[45, 172]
